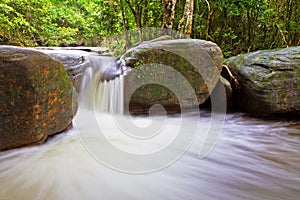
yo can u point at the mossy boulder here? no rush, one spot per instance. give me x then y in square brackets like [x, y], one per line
[269, 81]
[156, 61]
[36, 97]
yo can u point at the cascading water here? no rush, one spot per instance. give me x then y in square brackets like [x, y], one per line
[253, 159]
[102, 89]
[109, 96]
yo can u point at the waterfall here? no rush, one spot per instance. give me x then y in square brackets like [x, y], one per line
[102, 87]
[109, 96]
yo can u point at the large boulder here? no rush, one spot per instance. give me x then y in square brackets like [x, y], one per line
[269, 81]
[198, 61]
[36, 97]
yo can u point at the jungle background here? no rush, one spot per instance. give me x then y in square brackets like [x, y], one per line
[237, 26]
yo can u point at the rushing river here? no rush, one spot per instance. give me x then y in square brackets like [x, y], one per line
[253, 159]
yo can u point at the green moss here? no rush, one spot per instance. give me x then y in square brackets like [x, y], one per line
[298, 85]
[271, 58]
[282, 94]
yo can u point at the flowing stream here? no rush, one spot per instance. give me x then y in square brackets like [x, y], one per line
[252, 159]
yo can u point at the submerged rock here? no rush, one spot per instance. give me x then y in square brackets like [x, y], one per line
[269, 81]
[157, 63]
[36, 97]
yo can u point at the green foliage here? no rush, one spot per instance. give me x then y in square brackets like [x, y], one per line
[237, 26]
[13, 25]
[55, 22]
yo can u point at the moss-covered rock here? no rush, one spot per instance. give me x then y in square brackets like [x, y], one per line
[198, 61]
[269, 81]
[75, 64]
[36, 97]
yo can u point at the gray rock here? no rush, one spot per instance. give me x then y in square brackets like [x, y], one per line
[269, 81]
[198, 61]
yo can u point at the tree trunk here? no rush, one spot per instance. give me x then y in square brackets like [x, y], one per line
[186, 22]
[208, 23]
[145, 14]
[168, 13]
[137, 10]
[125, 25]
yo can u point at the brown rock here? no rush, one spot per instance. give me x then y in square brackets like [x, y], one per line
[36, 97]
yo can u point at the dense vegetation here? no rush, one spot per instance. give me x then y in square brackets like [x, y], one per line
[237, 26]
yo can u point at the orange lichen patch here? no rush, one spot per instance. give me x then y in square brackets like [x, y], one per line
[37, 106]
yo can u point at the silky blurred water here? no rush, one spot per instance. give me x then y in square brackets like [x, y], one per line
[253, 159]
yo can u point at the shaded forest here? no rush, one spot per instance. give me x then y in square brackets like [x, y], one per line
[237, 26]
